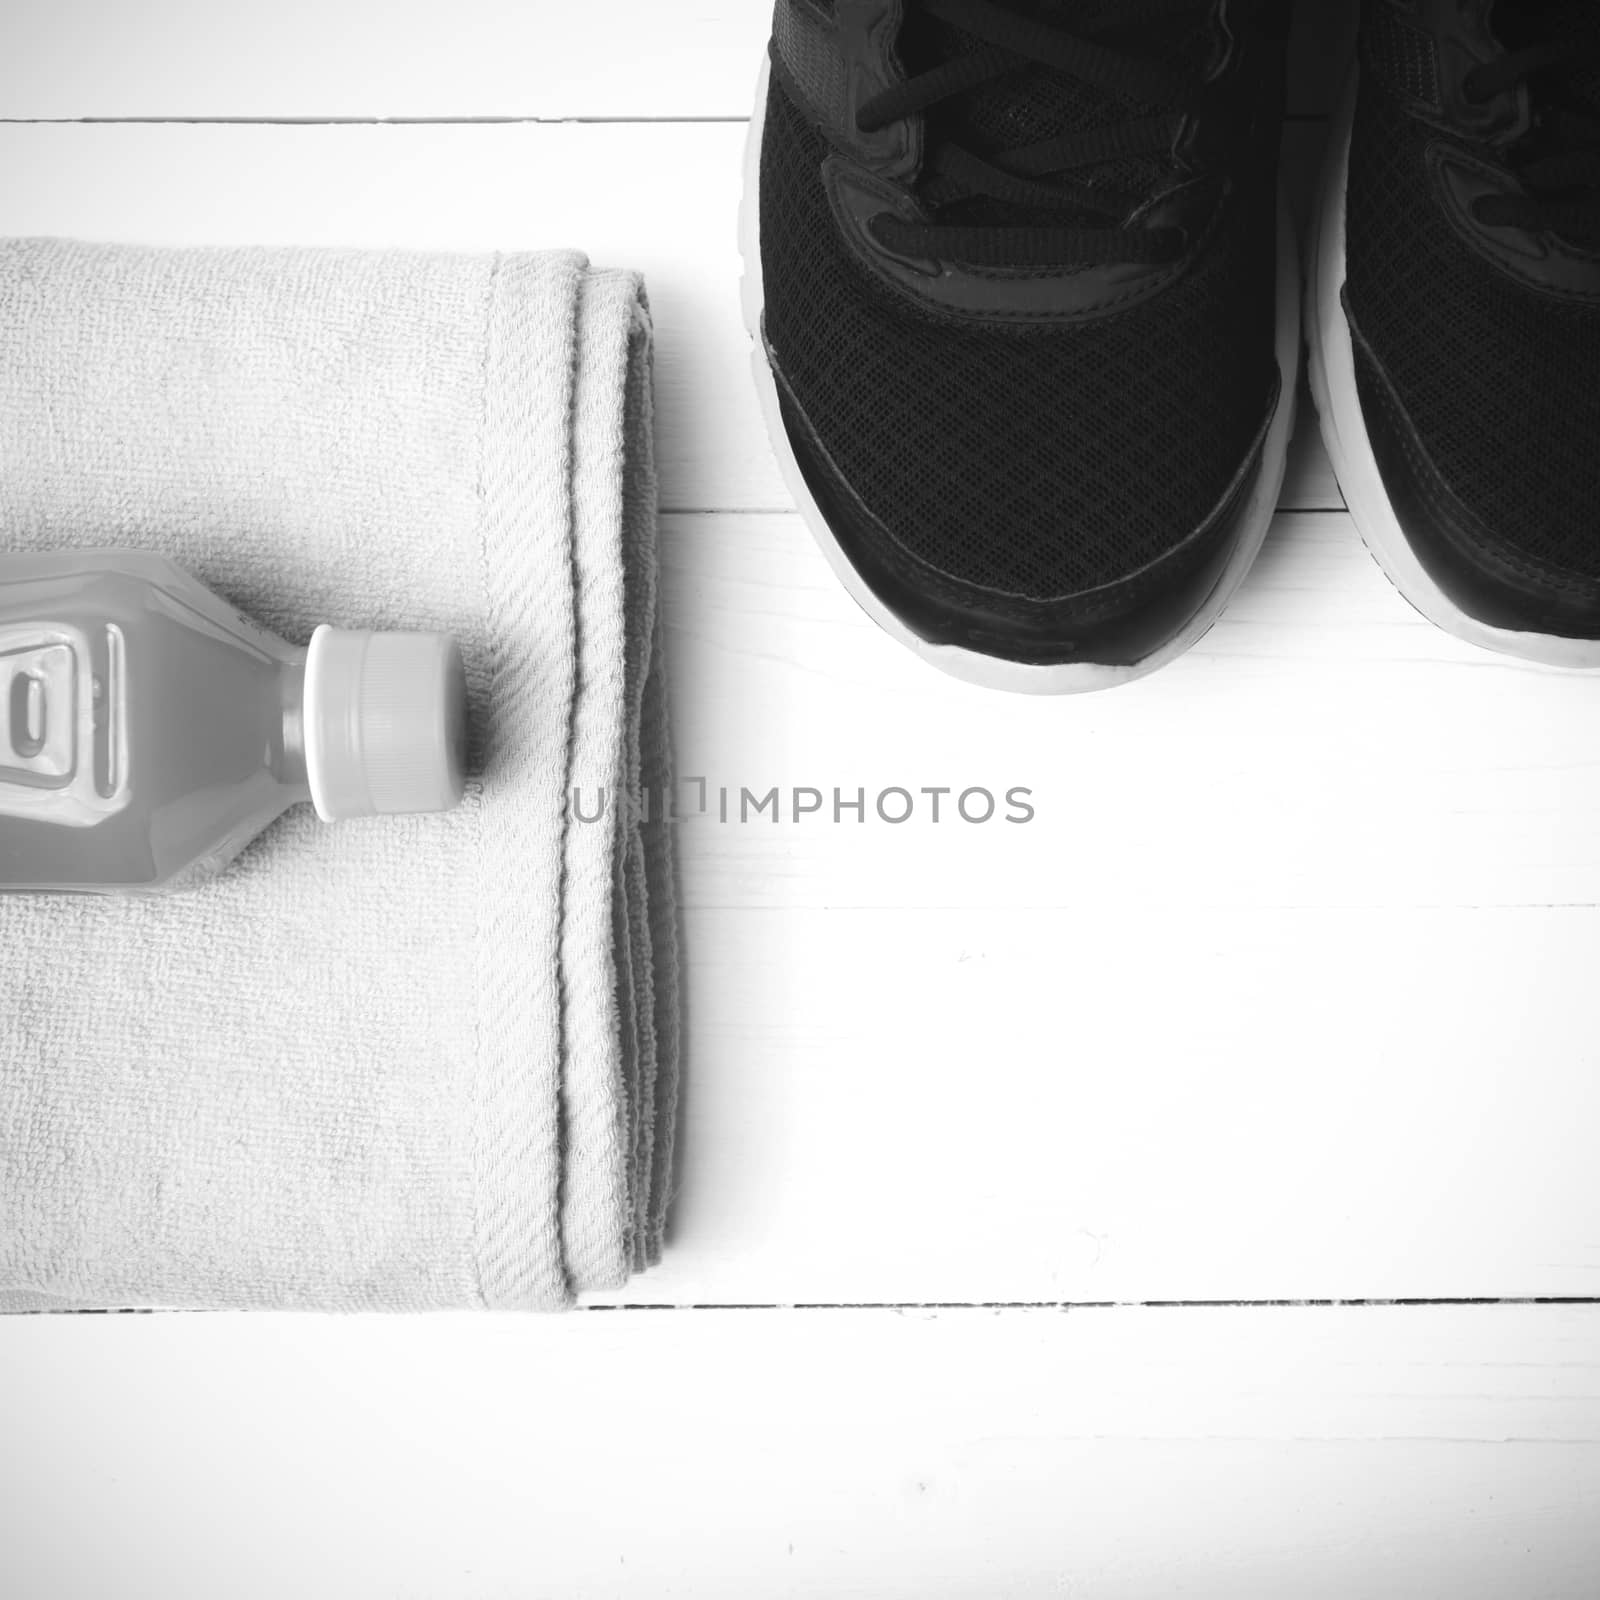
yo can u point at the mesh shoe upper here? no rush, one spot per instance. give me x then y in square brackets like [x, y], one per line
[1500, 380]
[1037, 461]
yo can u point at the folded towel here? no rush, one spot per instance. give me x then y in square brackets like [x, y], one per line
[405, 1062]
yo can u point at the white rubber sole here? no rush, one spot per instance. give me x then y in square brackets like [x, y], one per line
[970, 665]
[1344, 432]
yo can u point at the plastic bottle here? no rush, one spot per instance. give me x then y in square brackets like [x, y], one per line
[148, 731]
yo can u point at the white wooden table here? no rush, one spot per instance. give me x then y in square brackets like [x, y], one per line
[1192, 1191]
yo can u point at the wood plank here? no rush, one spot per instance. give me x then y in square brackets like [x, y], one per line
[1081, 1105]
[406, 58]
[1323, 746]
[1226, 1455]
[666, 203]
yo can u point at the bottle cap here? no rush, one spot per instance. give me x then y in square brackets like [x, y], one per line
[385, 722]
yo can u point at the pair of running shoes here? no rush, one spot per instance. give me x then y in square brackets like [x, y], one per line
[1028, 316]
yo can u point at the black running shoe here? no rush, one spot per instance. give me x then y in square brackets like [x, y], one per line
[1454, 315]
[1026, 316]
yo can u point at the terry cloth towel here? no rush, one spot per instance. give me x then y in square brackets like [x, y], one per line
[404, 1062]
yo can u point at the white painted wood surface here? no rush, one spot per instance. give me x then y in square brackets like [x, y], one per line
[1284, 994]
[1387, 1453]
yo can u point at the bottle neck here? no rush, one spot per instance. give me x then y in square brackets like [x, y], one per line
[286, 756]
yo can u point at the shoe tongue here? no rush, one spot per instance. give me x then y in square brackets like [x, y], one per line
[1032, 103]
[1572, 26]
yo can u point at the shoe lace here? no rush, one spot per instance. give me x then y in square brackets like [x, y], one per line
[1558, 162]
[1069, 219]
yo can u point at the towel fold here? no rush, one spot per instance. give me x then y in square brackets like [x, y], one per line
[406, 1062]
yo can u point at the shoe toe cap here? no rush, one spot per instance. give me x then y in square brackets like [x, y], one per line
[1501, 570]
[1127, 615]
